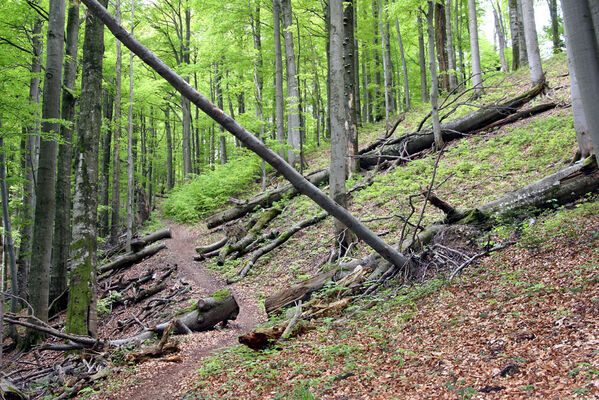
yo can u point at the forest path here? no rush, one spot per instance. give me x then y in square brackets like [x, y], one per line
[156, 379]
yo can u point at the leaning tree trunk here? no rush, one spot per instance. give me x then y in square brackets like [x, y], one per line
[39, 284]
[82, 309]
[252, 143]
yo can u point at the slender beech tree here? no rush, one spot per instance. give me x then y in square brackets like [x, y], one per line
[532, 43]
[62, 223]
[386, 83]
[555, 36]
[515, 33]
[522, 35]
[349, 91]
[453, 82]
[404, 67]
[337, 116]
[41, 258]
[477, 75]
[582, 39]
[422, 61]
[82, 309]
[107, 110]
[293, 117]
[279, 103]
[434, 80]
[170, 176]
[116, 160]
[131, 145]
[499, 31]
[29, 159]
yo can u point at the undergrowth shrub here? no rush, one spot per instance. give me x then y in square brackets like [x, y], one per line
[206, 193]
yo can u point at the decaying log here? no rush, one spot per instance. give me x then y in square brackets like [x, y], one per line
[131, 258]
[531, 112]
[139, 243]
[263, 200]
[211, 247]
[410, 144]
[281, 238]
[241, 244]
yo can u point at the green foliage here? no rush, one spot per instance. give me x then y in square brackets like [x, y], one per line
[206, 193]
[104, 305]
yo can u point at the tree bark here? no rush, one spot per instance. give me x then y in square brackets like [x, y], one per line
[81, 316]
[555, 36]
[298, 181]
[45, 189]
[404, 67]
[130, 146]
[351, 114]
[107, 108]
[9, 246]
[500, 35]
[453, 82]
[515, 33]
[279, 105]
[522, 36]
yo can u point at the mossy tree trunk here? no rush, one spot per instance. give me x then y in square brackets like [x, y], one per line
[82, 310]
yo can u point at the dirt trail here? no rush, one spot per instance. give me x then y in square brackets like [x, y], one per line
[157, 379]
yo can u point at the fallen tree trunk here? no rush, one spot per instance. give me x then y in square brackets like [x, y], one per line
[531, 112]
[140, 243]
[131, 258]
[561, 188]
[263, 200]
[282, 238]
[211, 247]
[407, 145]
[220, 307]
[251, 235]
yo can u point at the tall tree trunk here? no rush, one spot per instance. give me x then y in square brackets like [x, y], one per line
[258, 78]
[555, 36]
[532, 43]
[62, 221]
[29, 161]
[434, 80]
[351, 118]
[422, 62]
[500, 35]
[440, 42]
[337, 116]
[515, 33]
[477, 78]
[458, 23]
[130, 145]
[293, 119]
[107, 108]
[116, 158]
[82, 309]
[378, 102]
[170, 176]
[582, 45]
[9, 246]
[41, 258]
[390, 71]
[385, 66]
[453, 83]
[219, 96]
[185, 105]
[279, 102]
[522, 35]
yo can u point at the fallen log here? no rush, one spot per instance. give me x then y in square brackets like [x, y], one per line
[139, 243]
[240, 245]
[263, 200]
[282, 238]
[211, 247]
[563, 187]
[131, 258]
[531, 112]
[407, 145]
